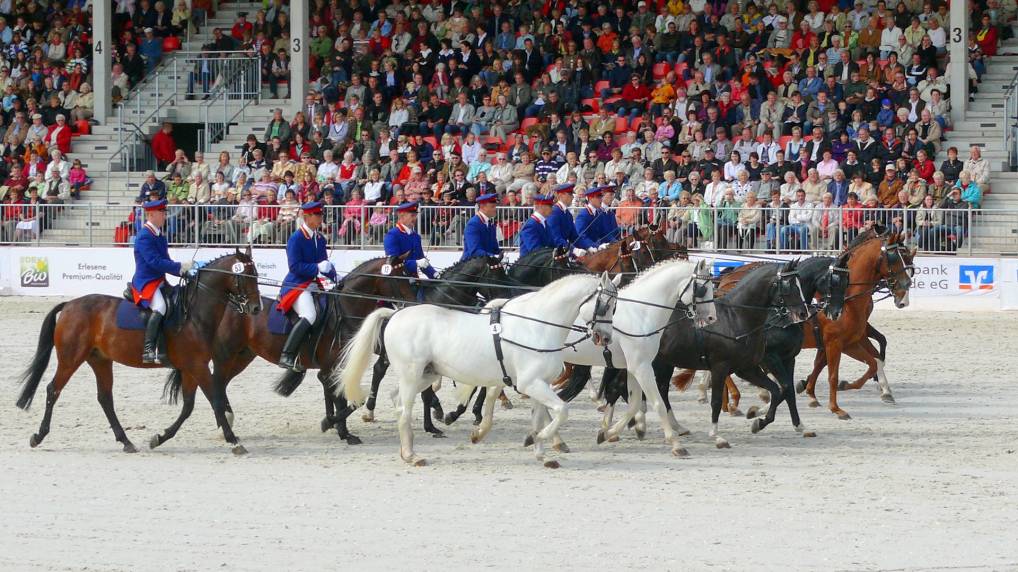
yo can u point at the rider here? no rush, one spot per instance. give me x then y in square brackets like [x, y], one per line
[403, 238]
[306, 258]
[560, 221]
[152, 263]
[535, 233]
[480, 236]
[593, 224]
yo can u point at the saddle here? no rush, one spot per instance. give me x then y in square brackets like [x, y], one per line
[281, 324]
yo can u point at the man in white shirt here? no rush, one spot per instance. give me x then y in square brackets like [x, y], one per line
[800, 216]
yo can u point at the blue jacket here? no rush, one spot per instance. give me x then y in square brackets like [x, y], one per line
[304, 250]
[595, 227]
[151, 258]
[480, 238]
[839, 191]
[397, 243]
[534, 236]
[560, 224]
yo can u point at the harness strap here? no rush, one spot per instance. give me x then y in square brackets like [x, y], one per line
[496, 336]
[607, 353]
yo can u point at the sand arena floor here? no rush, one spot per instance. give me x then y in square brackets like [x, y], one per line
[927, 484]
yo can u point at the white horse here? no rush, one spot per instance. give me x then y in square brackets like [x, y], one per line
[644, 308]
[426, 342]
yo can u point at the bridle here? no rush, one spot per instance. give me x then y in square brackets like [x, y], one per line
[782, 289]
[834, 272]
[238, 300]
[603, 301]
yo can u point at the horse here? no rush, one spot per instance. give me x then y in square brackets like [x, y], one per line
[644, 308]
[734, 343]
[541, 267]
[85, 330]
[458, 286]
[241, 338]
[513, 342]
[876, 257]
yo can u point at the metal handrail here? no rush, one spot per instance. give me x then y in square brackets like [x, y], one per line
[1011, 123]
[215, 131]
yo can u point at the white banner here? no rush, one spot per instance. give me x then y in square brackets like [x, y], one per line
[941, 282]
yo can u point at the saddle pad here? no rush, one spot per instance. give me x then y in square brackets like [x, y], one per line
[130, 317]
[280, 324]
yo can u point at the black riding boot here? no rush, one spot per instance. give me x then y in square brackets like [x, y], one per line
[291, 349]
[152, 327]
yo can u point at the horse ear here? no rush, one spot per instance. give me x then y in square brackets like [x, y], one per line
[617, 281]
[404, 256]
[248, 251]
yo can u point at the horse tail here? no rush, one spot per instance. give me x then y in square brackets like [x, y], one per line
[33, 375]
[357, 355]
[289, 382]
[574, 384]
[171, 389]
[682, 380]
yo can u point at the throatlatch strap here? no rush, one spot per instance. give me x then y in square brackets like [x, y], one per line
[496, 335]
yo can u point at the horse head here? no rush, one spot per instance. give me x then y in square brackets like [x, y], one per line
[896, 266]
[699, 295]
[390, 278]
[789, 292]
[838, 279]
[236, 276]
[605, 299]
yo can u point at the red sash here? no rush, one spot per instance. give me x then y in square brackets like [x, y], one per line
[287, 300]
[147, 291]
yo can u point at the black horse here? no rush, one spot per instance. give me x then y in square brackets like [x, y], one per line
[458, 286]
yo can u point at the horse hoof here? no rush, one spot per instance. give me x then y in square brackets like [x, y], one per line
[814, 403]
[809, 434]
[613, 439]
[437, 413]
[436, 434]
[736, 412]
[416, 461]
[368, 417]
[34, 441]
[702, 401]
[887, 398]
[552, 465]
[130, 448]
[800, 386]
[530, 440]
[155, 441]
[450, 419]
[680, 452]
[844, 416]
[475, 436]
[640, 434]
[752, 411]
[353, 440]
[601, 437]
[477, 421]
[561, 448]
[239, 450]
[757, 425]
[327, 424]
[507, 404]
[722, 444]
[843, 386]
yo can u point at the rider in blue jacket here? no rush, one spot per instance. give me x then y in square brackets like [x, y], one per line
[152, 263]
[595, 227]
[560, 221]
[535, 234]
[403, 238]
[480, 237]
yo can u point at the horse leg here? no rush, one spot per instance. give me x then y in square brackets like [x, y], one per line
[662, 389]
[428, 397]
[636, 397]
[701, 385]
[809, 384]
[647, 378]
[758, 378]
[340, 407]
[545, 397]
[733, 393]
[188, 390]
[717, 380]
[410, 385]
[461, 406]
[479, 405]
[833, 362]
[377, 373]
[504, 400]
[103, 369]
[875, 335]
[862, 351]
[67, 364]
[487, 417]
[786, 378]
[214, 386]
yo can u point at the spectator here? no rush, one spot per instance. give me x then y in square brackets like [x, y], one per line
[800, 216]
[163, 146]
[970, 191]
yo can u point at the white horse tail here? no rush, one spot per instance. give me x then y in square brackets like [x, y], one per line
[357, 357]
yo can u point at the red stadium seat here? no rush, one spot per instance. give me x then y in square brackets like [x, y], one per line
[621, 124]
[432, 140]
[783, 141]
[680, 68]
[171, 44]
[635, 124]
[601, 86]
[84, 127]
[594, 103]
[527, 123]
[660, 70]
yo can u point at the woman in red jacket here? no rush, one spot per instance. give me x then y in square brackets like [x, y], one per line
[986, 37]
[59, 135]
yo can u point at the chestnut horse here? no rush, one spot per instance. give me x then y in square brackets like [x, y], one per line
[875, 258]
[85, 329]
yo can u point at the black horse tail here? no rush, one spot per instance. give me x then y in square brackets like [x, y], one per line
[577, 381]
[171, 390]
[33, 375]
[289, 382]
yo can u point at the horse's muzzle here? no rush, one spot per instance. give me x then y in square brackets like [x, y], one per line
[600, 340]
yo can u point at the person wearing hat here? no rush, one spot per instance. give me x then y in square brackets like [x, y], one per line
[560, 221]
[480, 237]
[152, 263]
[535, 233]
[594, 232]
[403, 238]
[307, 259]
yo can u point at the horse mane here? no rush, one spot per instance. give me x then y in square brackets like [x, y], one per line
[862, 238]
[359, 267]
[567, 281]
[456, 265]
[658, 266]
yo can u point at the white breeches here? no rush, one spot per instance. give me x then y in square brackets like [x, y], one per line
[157, 304]
[305, 306]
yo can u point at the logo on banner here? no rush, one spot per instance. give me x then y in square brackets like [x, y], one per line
[34, 272]
[975, 277]
[722, 265]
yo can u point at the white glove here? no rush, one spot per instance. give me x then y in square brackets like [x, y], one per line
[324, 267]
[423, 263]
[603, 246]
[186, 266]
[578, 252]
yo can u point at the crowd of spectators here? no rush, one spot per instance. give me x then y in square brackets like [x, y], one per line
[45, 72]
[787, 125]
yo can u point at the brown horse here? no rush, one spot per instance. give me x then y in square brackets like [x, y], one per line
[241, 338]
[875, 258]
[85, 330]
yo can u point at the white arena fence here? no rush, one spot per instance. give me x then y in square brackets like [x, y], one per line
[738, 230]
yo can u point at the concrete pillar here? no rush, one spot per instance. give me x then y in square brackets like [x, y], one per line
[958, 38]
[299, 40]
[102, 57]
